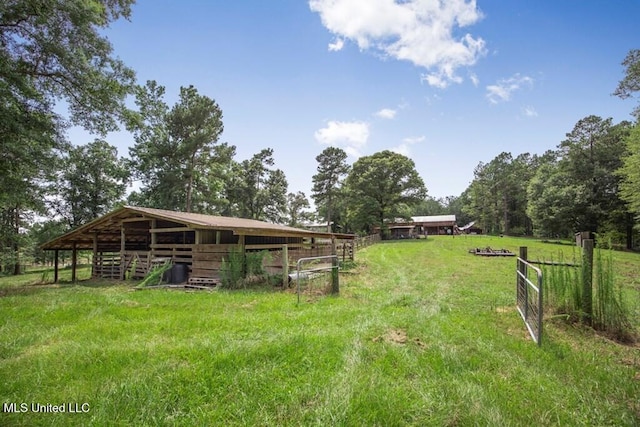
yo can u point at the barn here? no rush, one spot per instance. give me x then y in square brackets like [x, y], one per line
[434, 224]
[130, 240]
[422, 226]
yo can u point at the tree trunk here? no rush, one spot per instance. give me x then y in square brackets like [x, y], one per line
[505, 214]
[16, 245]
[189, 191]
[629, 230]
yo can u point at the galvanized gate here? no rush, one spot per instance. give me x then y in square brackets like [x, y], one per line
[529, 298]
[333, 267]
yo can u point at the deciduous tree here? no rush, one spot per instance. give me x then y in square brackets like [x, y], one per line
[57, 48]
[93, 180]
[630, 84]
[296, 204]
[630, 173]
[52, 51]
[379, 185]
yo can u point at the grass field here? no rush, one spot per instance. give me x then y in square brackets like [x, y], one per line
[423, 333]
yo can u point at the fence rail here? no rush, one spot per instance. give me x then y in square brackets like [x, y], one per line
[364, 241]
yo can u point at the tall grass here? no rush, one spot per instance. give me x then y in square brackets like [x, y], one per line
[232, 269]
[240, 267]
[564, 288]
[610, 313]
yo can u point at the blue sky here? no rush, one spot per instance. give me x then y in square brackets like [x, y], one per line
[448, 83]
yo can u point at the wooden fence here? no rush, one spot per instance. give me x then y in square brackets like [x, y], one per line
[364, 241]
[106, 266]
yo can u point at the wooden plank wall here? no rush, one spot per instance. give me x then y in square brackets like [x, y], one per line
[178, 252]
[207, 259]
[140, 261]
[107, 265]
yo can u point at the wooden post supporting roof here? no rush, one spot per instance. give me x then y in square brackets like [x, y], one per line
[154, 241]
[285, 266]
[55, 266]
[241, 244]
[123, 247]
[95, 256]
[74, 261]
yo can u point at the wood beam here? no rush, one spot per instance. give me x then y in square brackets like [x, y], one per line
[171, 230]
[140, 219]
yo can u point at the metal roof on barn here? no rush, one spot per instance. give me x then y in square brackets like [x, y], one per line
[108, 227]
[434, 219]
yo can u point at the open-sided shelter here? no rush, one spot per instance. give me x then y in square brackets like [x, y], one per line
[422, 225]
[434, 224]
[130, 240]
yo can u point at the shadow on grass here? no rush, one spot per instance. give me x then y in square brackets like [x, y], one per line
[35, 288]
[418, 241]
[560, 242]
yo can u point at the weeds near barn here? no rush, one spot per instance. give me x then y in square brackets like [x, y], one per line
[423, 333]
[241, 268]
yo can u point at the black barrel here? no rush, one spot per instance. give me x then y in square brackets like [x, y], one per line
[179, 273]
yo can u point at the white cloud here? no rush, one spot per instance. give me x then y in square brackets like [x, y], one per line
[405, 147]
[413, 139]
[502, 90]
[474, 79]
[386, 113]
[351, 136]
[529, 111]
[418, 31]
[402, 149]
[337, 45]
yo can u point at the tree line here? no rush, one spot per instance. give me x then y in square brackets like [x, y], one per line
[53, 52]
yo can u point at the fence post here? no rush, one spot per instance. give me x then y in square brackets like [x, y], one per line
[335, 277]
[523, 253]
[587, 281]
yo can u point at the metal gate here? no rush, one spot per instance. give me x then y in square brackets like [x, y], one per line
[529, 298]
[305, 273]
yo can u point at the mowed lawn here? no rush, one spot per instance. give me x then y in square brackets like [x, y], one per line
[423, 333]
